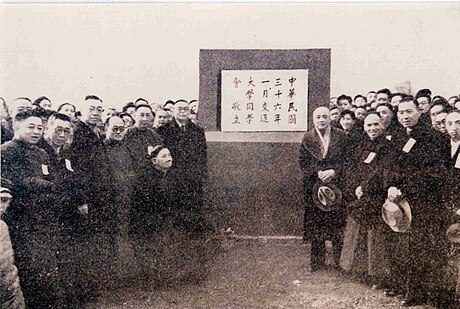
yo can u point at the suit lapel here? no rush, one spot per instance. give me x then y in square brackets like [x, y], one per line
[313, 144]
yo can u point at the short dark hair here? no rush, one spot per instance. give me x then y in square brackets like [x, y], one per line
[23, 98]
[408, 98]
[40, 99]
[25, 115]
[181, 101]
[344, 97]
[59, 116]
[64, 104]
[440, 101]
[388, 105]
[42, 113]
[385, 91]
[141, 100]
[192, 101]
[146, 105]
[108, 119]
[423, 93]
[128, 105]
[359, 96]
[92, 97]
[372, 91]
[333, 107]
[123, 114]
[348, 112]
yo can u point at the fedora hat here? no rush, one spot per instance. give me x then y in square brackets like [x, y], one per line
[397, 215]
[453, 233]
[327, 196]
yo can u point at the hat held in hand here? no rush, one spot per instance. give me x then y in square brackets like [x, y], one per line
[397, 215]
[327, 196]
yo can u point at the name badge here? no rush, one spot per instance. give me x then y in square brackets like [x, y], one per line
[388, 137]
[68, 165]
[370, 157]
[45, 170]
[410, 143]
[457, 163]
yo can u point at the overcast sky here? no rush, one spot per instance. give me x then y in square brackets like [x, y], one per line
[125, 51]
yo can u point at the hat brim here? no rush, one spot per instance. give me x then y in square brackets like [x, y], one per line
[399, 220]
[327, 197]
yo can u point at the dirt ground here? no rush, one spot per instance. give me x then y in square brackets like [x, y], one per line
[256, 274]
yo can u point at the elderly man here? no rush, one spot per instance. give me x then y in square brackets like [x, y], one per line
[187, 144]
[121, 166]
[420, 170]
[321, 161]
[32, 216]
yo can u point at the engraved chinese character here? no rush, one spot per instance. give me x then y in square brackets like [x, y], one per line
[277, 106]
[250, 93]
[292, 80]
[291, 106]
[277, 118]
[236, 119]
[249, 118]
[236, 106]
[292, 119]
[264, 107]
[278, 93]
[278, 82]
[291, 93]
[250, 106]
[251, 82]
[236, 82]
[264, 118]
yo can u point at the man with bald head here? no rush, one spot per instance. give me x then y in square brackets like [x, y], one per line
[365, 255]
[320, 160]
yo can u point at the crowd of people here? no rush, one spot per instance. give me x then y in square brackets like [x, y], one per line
[381, 182]
[75, 182]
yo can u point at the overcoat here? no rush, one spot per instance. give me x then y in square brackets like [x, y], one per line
[318, 223]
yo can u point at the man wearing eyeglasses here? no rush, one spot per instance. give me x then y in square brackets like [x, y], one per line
[89, 160]
[187, 144]
[121, 166]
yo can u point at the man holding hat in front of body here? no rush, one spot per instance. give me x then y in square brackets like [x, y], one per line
[419, 173]
[321, 162]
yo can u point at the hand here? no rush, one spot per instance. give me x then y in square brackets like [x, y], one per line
[359, 192]
[83, 209]
[393, 193]
[326, 176]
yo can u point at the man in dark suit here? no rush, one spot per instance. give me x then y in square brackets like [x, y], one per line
[453, 176]
[69, 204]
[31, 217]
[187, 143]
[90, 162]
[321, 159]
[420, 169]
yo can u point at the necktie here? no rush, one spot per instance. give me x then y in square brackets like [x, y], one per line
[182, 127]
